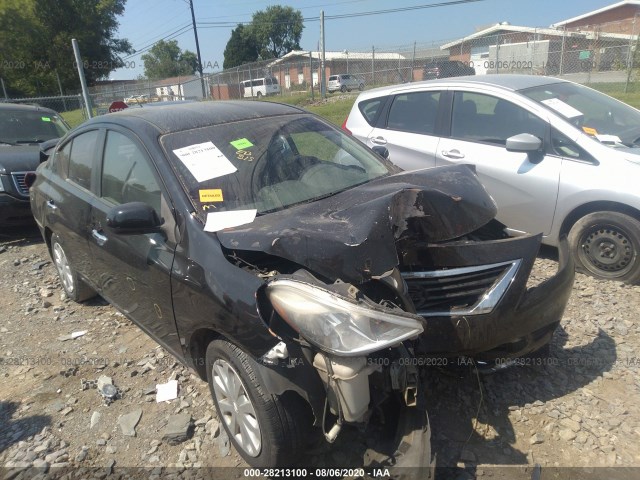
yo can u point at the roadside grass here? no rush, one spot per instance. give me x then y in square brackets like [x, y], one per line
[336, 108]
[616, 90]
[73, 117]
[333, 109]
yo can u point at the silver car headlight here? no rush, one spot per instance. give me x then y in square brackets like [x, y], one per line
[336, 325]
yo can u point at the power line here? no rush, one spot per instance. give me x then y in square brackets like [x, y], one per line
[301, 8]
[228, 24]
[160, 36]
[172, 35]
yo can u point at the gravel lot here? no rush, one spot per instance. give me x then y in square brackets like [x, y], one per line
[579, 407]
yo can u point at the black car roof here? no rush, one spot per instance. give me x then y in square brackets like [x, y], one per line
[173, 118]
[24, 107]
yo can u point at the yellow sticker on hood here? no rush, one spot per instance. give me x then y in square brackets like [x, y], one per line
[211, 195]
[590, 131]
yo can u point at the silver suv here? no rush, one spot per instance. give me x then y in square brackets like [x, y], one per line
[344, 83]
[557, 157]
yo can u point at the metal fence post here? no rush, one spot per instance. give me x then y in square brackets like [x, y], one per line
[413, 59]
[311, 75]
[373, 65]
[564, 37]
[4, 90]
[631, 54]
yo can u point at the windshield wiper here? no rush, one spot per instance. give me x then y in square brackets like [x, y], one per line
[7, 142]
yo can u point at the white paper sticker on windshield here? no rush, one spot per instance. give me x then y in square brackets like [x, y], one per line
[220, 220]
[609, 138]
[205, 161]
[562, 108]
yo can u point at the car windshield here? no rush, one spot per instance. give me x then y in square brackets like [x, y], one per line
[30, 126]
[599, 115]
[268, 164]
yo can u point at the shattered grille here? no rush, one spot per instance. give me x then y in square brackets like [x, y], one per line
[457, 290]
[21, 186]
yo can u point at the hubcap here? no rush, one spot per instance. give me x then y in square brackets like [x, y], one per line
[607, 250]
[236, 408]
[64, 269]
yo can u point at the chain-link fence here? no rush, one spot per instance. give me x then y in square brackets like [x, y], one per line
[605, 54]
[59, 104]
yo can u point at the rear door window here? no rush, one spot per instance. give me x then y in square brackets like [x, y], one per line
[370, 109]
[414, 112]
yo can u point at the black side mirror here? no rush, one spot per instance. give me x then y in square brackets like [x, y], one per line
[133, 218]
[46, 149]
[382, 151]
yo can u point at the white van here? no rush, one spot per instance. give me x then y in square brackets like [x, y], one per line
[260, 86]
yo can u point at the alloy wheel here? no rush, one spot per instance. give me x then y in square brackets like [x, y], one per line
[64, 269]
[236, 407]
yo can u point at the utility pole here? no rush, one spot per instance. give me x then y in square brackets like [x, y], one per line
[323, 80]
[195, 32]
[83, 82]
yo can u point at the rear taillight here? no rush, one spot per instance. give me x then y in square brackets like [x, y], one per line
[344, 126]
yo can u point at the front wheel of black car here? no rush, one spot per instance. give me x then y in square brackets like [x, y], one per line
[606, 245]
[267, 430]
[74, 287]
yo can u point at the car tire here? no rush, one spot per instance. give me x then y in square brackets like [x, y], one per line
[606, 245]
[74, 287]
[343, 88]
[275, 429]
[259, 95]
[361, 87]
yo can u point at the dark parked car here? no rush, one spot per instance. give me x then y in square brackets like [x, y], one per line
[298, 272]
[26, 132]
[447, 68]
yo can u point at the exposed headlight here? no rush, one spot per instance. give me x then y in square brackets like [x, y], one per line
[336, 325]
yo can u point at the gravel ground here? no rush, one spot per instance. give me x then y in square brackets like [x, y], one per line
[577, 408]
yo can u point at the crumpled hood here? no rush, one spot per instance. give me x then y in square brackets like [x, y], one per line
[19, 159]
[352, 235]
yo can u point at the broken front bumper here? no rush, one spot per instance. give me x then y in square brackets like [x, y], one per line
[475, 300]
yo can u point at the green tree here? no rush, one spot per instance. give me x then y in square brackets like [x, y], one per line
[35, 43]
[166, 59]
[241, 47]
[277, 30]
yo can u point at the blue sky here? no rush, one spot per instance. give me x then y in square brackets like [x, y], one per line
[146, 21]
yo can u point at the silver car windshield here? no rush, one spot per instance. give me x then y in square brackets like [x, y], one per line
[597, 114]
[268, 164]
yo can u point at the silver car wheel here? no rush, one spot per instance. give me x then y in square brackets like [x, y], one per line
[236, 408]
[64, 269]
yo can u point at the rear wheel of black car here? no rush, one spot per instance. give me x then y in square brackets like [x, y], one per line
[74, 287]
[606, 245]
[267, 430]
[343, 88]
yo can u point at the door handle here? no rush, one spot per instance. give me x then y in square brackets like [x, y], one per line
[99, 237]
[378, 140]
[51, 205]
[453, 154]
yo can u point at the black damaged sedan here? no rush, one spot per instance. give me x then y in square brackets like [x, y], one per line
[299, 273]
